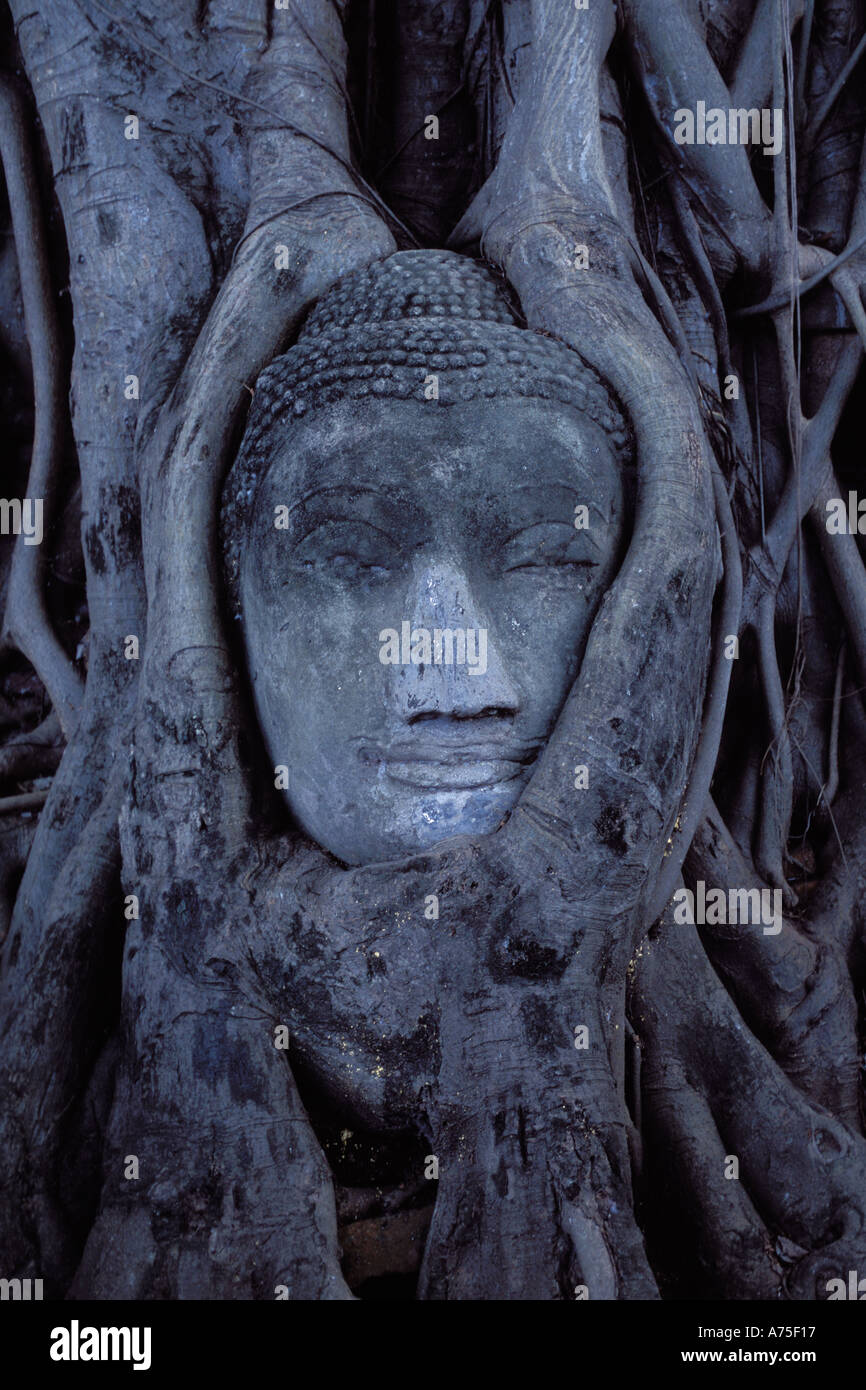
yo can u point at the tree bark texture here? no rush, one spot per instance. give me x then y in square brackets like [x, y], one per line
[563, 1171]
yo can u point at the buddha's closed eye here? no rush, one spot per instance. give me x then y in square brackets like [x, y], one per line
[341, 550]
[547, 546]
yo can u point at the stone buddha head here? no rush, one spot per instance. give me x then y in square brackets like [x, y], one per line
[427, 507]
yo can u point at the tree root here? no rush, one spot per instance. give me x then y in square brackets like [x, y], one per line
[802, 1171]
[26, 621]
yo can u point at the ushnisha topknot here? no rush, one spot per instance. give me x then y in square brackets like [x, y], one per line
[384, 329]
[380, 333]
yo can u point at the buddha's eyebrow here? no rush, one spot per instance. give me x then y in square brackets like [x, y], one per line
[543, 494]
[578, 488]
[397, 509]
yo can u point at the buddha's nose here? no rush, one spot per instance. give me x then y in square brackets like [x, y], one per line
[449, 663]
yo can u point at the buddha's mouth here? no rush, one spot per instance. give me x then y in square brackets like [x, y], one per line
[453, 776]
[437, 766]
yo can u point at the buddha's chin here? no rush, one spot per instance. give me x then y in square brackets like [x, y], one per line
[441, 813]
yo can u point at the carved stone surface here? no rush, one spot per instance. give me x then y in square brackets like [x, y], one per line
[427, 508]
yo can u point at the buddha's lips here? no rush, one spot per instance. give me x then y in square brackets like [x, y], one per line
[444, 766]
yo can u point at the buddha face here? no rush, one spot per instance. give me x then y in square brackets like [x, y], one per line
[416, 589]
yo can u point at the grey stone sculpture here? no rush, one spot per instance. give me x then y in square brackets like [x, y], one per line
[418, 464]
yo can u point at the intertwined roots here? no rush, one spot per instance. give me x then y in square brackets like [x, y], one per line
[638, 254]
